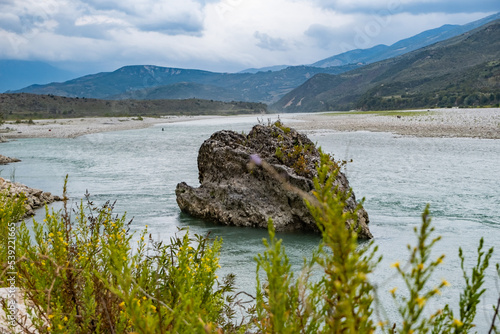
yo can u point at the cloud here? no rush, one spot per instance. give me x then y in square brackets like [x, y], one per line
[410, 6]
[99, 20]
[327, 38]
[166, 16]
[269, 43]
[220, 35]
[455, 7]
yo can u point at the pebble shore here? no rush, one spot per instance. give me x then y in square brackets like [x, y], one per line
[75, 127]
[473, 123]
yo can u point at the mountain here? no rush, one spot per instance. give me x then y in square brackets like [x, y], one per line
[265, 69]
[461, 71]
[125, 79]
[15, 74]
[154, 82]
[181, 90]
[381, 52]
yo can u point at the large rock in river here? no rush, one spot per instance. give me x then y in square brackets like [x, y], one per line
[232, 194]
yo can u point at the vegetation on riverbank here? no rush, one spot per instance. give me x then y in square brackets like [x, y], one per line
[81, 273]
[25, 106]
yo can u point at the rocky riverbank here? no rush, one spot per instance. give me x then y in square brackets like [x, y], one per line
[7, 160]
[470, 123]
[71, 127]
[477, 123]
[35, 198]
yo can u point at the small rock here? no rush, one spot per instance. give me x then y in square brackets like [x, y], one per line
[6, 160]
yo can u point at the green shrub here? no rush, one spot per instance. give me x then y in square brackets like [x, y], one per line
[83, 275]
[11, 210]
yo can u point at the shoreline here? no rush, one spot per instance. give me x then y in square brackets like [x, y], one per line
[76, 127]
[465, 123]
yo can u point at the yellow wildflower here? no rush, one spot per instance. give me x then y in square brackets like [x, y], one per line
[395, 264]
[393, 291]
[457, 322]
[153, 307]
[421, 266]
[420, 301]
[445, 282]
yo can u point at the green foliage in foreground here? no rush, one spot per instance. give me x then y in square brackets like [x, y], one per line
[87, 275]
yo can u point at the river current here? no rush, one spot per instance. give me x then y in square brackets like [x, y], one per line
[397, 176]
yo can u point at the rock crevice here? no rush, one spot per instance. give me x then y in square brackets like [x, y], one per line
[231, 194]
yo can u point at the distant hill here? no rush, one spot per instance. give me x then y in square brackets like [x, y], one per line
[25, 106]
[265, 69]
[461, 71]
[181, 90]
[155, 82]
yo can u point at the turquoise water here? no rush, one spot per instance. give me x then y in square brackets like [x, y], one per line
[396, 175]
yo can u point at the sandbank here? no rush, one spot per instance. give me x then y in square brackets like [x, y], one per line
[475, 123]
[75, 127]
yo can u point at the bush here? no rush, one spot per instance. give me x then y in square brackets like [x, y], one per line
[84, 276]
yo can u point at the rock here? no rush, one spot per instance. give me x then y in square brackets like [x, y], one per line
[6, 160]
[35, 198]
[232, 194]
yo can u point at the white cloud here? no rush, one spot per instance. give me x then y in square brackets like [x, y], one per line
[99, 20]
[209, 34]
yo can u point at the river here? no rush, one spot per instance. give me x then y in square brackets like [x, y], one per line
[397, 176]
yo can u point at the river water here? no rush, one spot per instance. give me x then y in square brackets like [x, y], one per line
[397, 176]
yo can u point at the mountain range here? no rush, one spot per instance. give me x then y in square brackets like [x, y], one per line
[269, 85]
[382, 52]
[146, 82]
[460, 71]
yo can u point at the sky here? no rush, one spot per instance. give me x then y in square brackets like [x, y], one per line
[215, 35]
